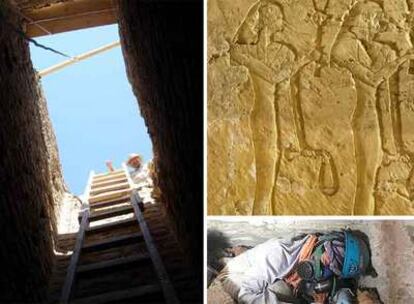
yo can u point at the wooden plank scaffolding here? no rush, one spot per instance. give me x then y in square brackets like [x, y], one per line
[68, 16]
[108, 188]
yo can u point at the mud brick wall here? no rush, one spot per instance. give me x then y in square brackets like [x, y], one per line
[30, 176]
[162, 45]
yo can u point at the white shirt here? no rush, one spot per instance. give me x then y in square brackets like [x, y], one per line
[258, 268]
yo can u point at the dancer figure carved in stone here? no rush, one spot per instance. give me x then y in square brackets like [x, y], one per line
[371, 62]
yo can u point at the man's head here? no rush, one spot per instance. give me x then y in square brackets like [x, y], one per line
[264, 13]
[366, 20]
[271, 16]
[134, 161]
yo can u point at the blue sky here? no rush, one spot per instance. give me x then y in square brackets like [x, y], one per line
[93, 110]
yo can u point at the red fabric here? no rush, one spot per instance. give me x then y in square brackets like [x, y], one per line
[306, 252]
[293, 279]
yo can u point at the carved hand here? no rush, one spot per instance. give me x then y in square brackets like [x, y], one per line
[390, 68]
[254, 65]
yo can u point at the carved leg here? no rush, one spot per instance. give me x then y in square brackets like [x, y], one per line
[285, 119]
[403, 134]
[287, 138]
[265, 138]
[328, 178]
[368, 151]
[385, 118]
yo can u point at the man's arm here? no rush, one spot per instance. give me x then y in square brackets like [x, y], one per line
[392, 67]
[363, 73]
[256, 292]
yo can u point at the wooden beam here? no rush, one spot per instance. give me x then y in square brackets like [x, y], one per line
[69, 16]
[68, 8]
[110, 213]
[110, 182]
[111, 202]
[88, 186]
[109, 195]
[70, 274]
[167, 287]
[111, 225]
[113, 242]
[107, 177]
[84, 224]
[107, 174]
[31, 4]
[111, 264]
[60, 66]
[118, 186]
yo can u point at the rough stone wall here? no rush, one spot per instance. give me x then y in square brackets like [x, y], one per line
[30, 179]
[310, 107]
[54, 168]
[162, 45]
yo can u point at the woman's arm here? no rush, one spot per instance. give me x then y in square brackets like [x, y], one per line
[254, 65]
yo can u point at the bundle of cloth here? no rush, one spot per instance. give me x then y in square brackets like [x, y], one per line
[313, 268]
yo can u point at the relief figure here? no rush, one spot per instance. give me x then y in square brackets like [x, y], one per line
[274, 64]
[270, 65]
[360, 49]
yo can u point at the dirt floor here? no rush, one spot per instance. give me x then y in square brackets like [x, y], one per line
[392, 245]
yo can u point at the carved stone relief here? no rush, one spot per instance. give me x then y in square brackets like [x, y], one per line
[310, 107]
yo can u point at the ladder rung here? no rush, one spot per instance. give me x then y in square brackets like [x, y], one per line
[110, 213]
[109, 173]
[109, 195]
[111, 202]
[106, 265]
[113, 242]
[108, 177]
[112, 225]
[120, 295]
[99, 190]
[107, 183]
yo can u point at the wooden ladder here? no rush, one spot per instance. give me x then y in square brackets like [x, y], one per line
[108, 190]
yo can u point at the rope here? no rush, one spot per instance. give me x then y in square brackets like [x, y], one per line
[24, 36]
[42, 46]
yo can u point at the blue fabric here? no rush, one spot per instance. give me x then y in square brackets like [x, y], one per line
[335, 249]
[351, 267]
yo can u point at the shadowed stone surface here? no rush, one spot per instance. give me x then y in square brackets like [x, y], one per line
[31, 179]
[162, 45]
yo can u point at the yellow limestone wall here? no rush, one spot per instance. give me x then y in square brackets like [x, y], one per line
[310, 107]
